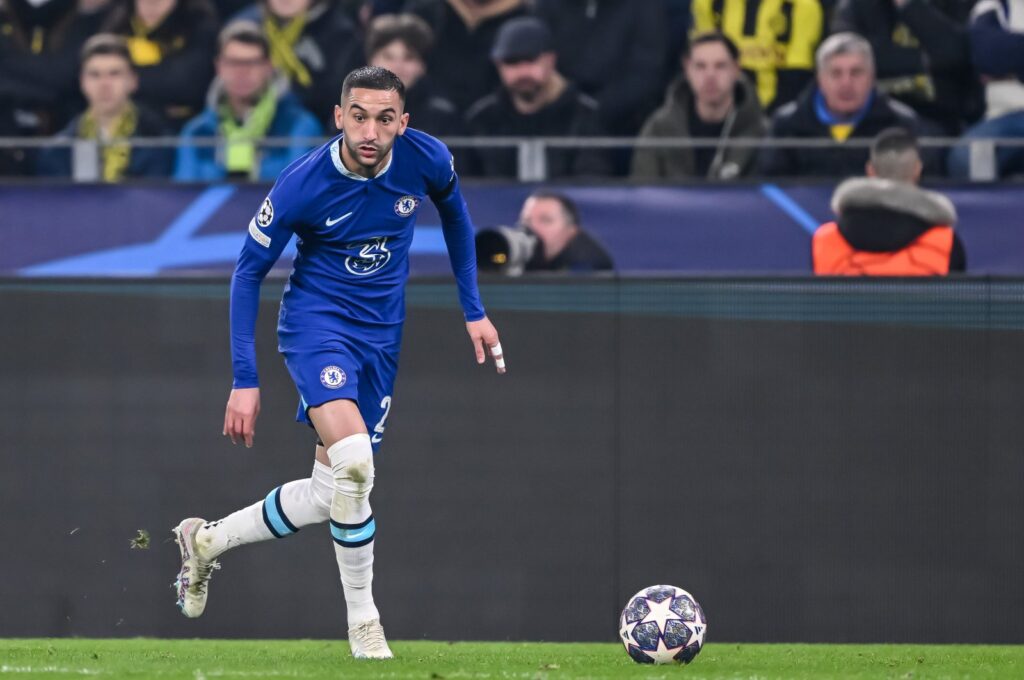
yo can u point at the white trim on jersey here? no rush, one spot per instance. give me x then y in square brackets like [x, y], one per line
[336, 158]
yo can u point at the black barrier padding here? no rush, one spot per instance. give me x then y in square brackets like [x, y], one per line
[808, 479]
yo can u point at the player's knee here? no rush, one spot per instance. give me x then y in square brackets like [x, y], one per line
[321, 491]
[352, 465]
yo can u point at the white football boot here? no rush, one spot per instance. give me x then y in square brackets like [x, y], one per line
[367, 641]
[195, 572]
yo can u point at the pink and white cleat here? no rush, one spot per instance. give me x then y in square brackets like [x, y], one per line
[195, 572]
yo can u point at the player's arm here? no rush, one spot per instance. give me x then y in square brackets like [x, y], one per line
[458, 236]
[268, 235]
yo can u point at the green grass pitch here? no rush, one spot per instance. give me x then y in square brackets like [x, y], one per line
[199, 659]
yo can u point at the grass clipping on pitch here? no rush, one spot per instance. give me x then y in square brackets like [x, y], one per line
[200, 659]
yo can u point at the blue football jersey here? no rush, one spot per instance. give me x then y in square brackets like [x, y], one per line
[353, 239]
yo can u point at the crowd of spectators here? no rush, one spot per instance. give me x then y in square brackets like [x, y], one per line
[223, 75]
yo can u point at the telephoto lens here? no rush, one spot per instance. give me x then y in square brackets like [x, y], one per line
[504, 249]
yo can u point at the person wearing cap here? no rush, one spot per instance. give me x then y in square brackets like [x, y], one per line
[534, 100]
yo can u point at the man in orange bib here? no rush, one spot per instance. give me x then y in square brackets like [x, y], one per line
[887, 225]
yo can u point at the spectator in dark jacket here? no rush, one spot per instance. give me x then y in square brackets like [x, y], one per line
[614, 51]
[776, 41]
[843, 105]
[711, 100]
[246, 104]
[172, 43]
[108, 80]
[229, 8]
[534, 101]
[40, 43]
[922, 55]
[464, 31]
[997, 45]
[401, 43]
[314, 44]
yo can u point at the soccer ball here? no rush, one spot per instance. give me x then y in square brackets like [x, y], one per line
[662, 624]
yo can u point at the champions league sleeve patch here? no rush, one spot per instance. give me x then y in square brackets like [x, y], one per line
[263, 219]
[266, 214]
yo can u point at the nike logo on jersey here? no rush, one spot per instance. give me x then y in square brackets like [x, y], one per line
[331, 223]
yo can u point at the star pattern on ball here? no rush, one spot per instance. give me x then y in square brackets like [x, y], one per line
[662, 624]
[660, 613]
[698, 627]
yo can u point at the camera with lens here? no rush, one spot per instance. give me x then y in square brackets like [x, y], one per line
[505, 249]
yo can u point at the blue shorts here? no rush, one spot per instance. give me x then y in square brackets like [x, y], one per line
[360, 370]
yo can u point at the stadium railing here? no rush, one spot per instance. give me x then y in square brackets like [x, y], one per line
[531, 152]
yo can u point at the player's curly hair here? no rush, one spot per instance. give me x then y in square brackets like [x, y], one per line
[372, 78]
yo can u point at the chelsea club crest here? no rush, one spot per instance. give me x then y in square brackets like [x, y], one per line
[332, 377]
[406, 206]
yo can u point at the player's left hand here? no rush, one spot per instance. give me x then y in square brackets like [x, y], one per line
[484, 334]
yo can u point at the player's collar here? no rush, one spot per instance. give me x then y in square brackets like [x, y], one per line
[336, 158]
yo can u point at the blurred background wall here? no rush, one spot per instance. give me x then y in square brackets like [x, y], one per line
[813, 459]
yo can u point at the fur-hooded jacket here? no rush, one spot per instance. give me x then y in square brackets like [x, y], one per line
[881, 215]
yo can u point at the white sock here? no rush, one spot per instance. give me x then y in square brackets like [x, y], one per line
[352, 525]
[284, 511]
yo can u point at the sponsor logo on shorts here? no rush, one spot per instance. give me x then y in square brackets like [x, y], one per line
[406, 205]
[332, 377]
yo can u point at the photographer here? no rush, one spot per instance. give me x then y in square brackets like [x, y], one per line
[548, 237]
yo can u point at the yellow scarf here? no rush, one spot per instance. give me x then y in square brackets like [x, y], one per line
[145, 52]
[282, 39]
[241, 156]
[115, 150]
[841, 131]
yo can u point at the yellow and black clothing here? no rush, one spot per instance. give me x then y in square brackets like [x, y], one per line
[887, 228]
[314, 51]
[174, 59]
[776, 40]
[922, 55]
[118, 160]
[39, 48]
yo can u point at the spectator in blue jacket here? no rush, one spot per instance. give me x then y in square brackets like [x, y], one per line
[108, 80]
[997, 48]
[246, 104]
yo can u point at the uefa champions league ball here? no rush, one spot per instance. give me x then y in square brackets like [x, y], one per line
[662, 624]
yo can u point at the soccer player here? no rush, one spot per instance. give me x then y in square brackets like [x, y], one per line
[352, 204]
